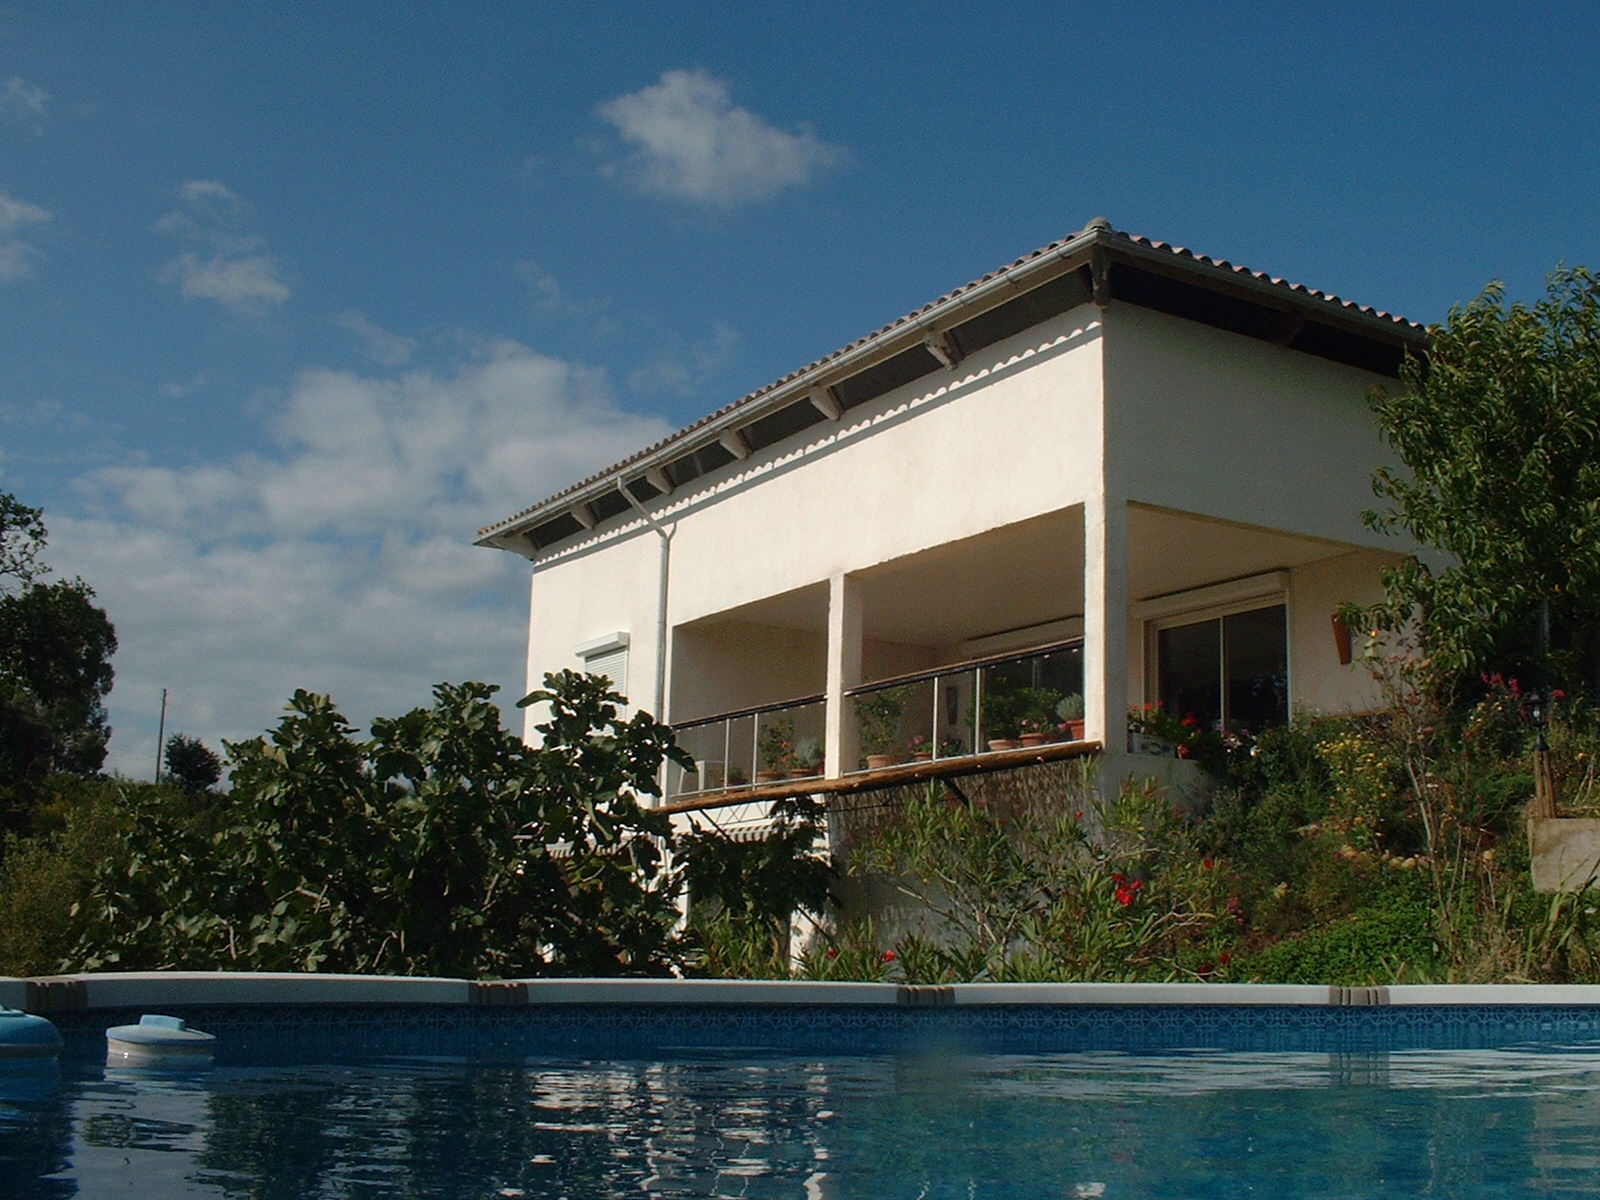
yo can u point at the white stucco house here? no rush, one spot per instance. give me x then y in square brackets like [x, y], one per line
[1113, 468]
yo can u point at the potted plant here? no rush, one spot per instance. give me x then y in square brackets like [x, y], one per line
[1069, 712]
[1031, 731]
[878, 720]
[807, 761]
[1001, 714]
[1153, 730]
[921, 749]
[952, 747]
[777, 750]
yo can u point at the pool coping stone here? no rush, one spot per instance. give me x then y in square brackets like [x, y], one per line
[154, 990]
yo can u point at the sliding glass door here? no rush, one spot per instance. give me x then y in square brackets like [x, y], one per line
[1231, 672]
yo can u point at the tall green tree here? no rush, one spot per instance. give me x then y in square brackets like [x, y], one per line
[1498, 427]
[191, 764]
[55, 662]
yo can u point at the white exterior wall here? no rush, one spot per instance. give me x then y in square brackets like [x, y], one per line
[1011, 432]
[1206, 421]
[1318, 682]
[608, 587]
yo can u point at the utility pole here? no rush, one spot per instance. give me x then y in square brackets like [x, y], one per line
[161, 733]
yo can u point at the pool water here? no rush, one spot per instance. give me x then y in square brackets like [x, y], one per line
[1519, 1121]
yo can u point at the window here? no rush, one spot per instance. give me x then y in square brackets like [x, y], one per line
[607, 656]
[1231, 671]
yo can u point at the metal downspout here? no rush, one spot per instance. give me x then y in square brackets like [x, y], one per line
[661, 599]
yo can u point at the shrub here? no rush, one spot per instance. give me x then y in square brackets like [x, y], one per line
[43, 878]
[441, 846]
[744, 895]
[1072, 888]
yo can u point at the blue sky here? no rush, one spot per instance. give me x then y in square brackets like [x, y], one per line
[296, 297]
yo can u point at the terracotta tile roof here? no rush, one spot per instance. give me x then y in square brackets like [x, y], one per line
[1411, 330]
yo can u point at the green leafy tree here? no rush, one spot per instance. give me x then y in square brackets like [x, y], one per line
[55, 667]
[191, 764]
[442, 846]
[1499, 430]
[22, 535]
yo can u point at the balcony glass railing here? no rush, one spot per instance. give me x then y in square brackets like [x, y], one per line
[971, 708]
[951, 712]
[753, 746]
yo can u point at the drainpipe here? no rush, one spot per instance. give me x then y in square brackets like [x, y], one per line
[661, 598]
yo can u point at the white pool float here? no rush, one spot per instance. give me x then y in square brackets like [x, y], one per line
[158, 1041]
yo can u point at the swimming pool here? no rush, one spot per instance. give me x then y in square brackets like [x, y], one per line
[925, 1095]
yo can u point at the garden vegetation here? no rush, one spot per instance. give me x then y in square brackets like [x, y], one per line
[1383, 848]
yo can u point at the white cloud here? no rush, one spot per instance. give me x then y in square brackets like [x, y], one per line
[248, 285]
[691, 142]
[177, 389]
[18, 256]
[544, 289]
[227, 261]
[23, 104]
[339, 560]
[380, 345]
[685, 371]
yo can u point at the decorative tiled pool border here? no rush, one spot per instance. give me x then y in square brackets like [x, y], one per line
[318, 1016]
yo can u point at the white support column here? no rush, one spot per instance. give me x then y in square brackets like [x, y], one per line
[1105, 621]
[844, 671]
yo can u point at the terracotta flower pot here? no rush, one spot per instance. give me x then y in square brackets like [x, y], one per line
[877, 762]
[1003, 743]
[1033, 739]
[921, 756]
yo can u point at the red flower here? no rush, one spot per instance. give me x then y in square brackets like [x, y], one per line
[1558, 694]
[1191, 721]
[1126, 893]
[832, 953]
[1207, 863]
[1225, 960]
[1078, 816]
[888, 956]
